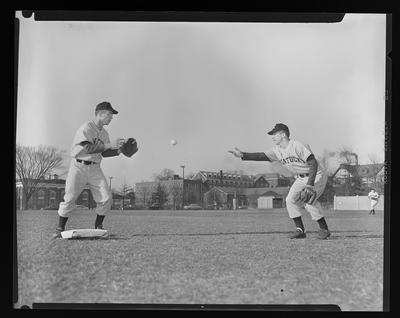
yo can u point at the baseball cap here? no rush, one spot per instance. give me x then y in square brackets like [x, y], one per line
[279, 127]
[106, 106]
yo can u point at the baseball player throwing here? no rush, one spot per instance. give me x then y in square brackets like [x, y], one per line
[310, 178]
[90, 145]
[374, 197]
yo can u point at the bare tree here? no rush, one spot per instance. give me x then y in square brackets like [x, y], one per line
[348, 161]
[326, 161]
[376, 167]
[160, 195]
[165, 174]
[329, 162]
[33, 164]
[189, 175]
[175, 190]
[124, 191]
[347, 156]
[143, 193]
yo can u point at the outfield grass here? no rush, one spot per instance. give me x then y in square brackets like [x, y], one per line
[202, 257]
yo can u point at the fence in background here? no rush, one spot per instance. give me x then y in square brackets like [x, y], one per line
[356, 203]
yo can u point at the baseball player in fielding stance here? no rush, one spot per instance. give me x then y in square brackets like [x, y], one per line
[310, 176]
[374, 197]
[90, 145]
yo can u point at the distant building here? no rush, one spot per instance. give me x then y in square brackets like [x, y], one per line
[271, 180]
[179, 192]
[220, 188]
[225, 179]
[49, 193]
[272, 199]
[254, 194]
[371, 175]
[121, 202]
[212, 179]
[211, 189]
[222, 197]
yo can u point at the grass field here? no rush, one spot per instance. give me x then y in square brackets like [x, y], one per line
[203, 257]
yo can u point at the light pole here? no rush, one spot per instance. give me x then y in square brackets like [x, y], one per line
[183, 185]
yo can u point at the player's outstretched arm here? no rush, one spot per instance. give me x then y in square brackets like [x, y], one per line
[254, 156]
[90, 148]
[236, 152]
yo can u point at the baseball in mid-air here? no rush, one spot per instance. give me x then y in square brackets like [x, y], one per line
[173, 142]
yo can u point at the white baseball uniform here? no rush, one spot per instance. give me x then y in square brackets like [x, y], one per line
[374, 197]
[81, 174]
[294, 157]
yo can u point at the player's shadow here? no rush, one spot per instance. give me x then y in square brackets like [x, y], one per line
[366, 236]
[115, 237]
[335, 234]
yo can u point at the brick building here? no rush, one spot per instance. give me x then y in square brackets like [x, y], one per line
[271, 180]
[211, 178]
[221, 188]
[191, 191]
[233, 180]
[50, 192]
[222, 197]
[371, 176]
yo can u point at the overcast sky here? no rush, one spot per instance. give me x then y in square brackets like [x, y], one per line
[210, 86]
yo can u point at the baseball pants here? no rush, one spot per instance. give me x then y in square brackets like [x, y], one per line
[294, 209]
[374, 203]
[79, 176]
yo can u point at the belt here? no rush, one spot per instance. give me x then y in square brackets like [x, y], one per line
[86, 162]
[303, 175]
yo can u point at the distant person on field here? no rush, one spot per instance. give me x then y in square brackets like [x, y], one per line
[374, 197]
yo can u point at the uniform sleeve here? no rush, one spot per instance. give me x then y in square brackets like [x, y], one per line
[109, 152]
[270, 153]
[83, 143]
[80, 138]
[255, 156]
[302, 151]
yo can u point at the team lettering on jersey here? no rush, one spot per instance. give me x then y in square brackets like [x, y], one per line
[291, 159]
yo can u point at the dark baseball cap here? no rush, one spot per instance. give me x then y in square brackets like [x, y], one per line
[106, 106]
[279, 127]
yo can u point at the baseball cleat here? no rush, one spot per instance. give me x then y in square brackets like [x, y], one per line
[323, 234]
[298, 234]
[56, 235]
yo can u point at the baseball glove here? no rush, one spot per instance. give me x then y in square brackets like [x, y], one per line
[306, 196]
[129, 148]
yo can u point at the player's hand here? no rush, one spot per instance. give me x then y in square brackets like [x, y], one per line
[120, 142]
[116, 144]
[237, 152]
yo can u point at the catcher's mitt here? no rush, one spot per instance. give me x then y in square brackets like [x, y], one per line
[129, 148]
[306, 196]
